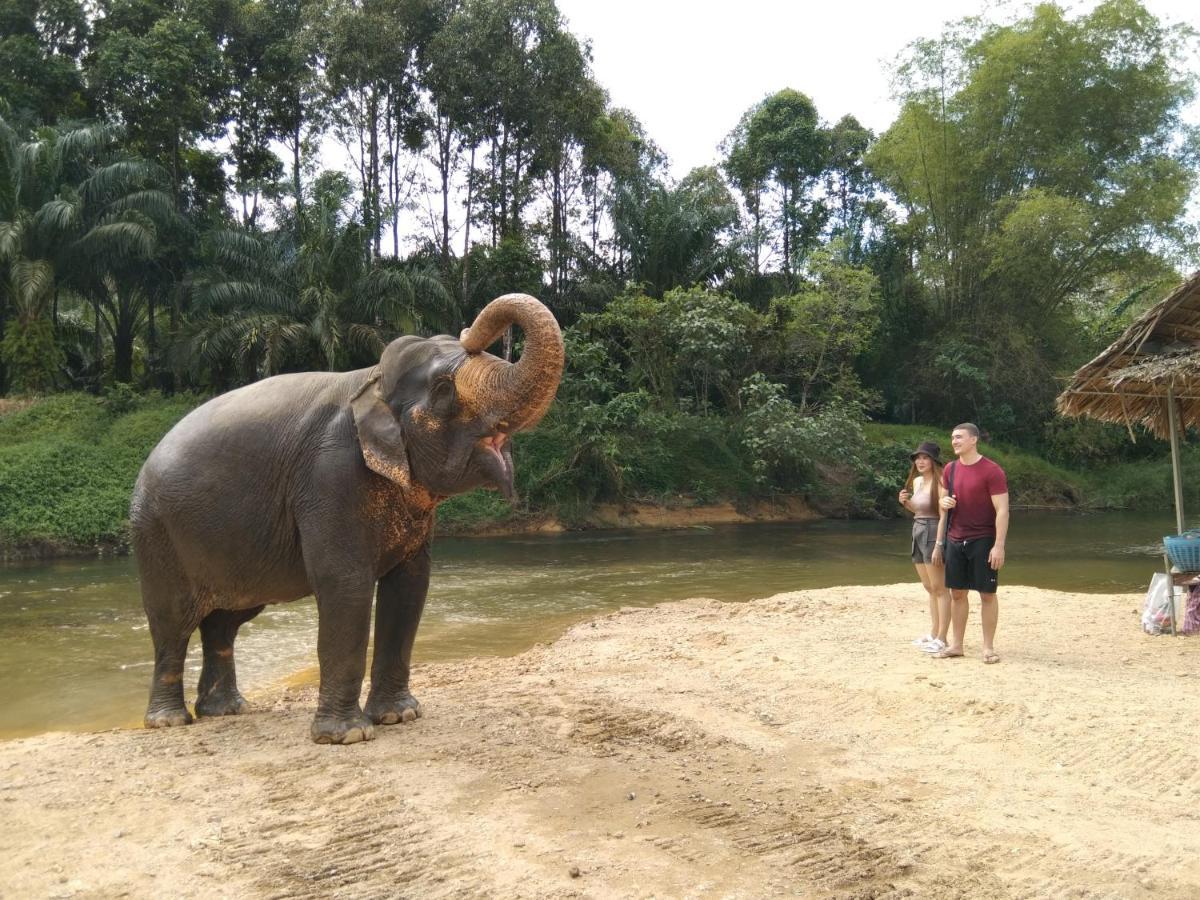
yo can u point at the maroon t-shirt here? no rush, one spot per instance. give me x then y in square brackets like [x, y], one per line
[974, 487]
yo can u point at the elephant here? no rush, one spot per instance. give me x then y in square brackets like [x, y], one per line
[326, 484]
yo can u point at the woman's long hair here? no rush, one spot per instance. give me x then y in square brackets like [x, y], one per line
[935, 475]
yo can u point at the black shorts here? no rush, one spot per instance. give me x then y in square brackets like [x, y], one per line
[967, 566]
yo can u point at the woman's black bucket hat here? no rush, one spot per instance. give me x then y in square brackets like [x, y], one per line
[930, 449]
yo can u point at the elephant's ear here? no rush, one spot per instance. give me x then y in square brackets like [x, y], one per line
[379, 435]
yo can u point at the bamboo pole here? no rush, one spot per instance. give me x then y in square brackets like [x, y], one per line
[1173, 426]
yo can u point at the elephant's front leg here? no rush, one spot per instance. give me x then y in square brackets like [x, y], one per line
[343, 629]
[398, 607]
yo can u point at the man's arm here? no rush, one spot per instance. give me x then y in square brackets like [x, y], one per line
[996, 556]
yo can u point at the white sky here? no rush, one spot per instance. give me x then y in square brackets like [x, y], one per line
[688, 74]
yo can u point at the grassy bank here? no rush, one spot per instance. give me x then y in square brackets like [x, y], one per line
[68, 464]
[67, 468]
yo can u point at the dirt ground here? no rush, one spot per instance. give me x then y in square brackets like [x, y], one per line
[794, 746]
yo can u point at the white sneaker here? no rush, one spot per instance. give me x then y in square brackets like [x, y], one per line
[922, 641]
[934, 646]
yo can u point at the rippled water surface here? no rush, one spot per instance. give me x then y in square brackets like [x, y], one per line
[77, 654]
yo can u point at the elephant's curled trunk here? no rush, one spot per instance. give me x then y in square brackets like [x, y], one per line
[525, 389]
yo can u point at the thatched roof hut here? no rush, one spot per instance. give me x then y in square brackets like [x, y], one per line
[1149, 376]
[1159, 354]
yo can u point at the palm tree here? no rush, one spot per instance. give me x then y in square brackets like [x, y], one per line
[271, 303]
[72, 218]
[31, 172]
[110, 227]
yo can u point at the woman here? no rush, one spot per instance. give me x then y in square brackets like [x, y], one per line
[920, 497]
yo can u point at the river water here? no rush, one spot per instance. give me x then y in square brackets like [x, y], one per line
[77, 654]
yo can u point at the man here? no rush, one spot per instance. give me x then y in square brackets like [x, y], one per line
[975, 501]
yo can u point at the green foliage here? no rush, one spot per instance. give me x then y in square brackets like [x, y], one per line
[726, 333]
[1039, 161]
[681, 235]
[1032, 480]
[827, 326]
[1089, 444]
[69, 464]
[473, 510]
[785, 446]
[32, 355]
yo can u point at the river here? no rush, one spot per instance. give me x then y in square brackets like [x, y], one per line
[77, 654]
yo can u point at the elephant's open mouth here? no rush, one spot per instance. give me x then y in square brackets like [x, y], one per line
[498, 463]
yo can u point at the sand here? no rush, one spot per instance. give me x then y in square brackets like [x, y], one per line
[791, 746]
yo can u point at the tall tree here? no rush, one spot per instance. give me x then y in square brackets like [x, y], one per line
[1036, 158]
[785, 136]
[747, 170]
[41, 43]
[371, 50]
[848, 187]
[158, 69]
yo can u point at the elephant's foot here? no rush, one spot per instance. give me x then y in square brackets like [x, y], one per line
[168, 717]
[230, 703]
[336, 730]
[400, 708]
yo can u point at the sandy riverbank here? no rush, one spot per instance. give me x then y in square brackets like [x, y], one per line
[795, 745]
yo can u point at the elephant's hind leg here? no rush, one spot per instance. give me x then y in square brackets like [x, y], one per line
[171, 627]
[217, 693]
[171, 613]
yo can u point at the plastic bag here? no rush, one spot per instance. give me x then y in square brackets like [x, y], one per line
[1191, 617]
[1156, 614]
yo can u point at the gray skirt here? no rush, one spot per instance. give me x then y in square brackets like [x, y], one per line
[924, 536]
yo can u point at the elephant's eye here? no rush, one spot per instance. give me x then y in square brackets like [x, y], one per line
[442, 396]
[502, 425]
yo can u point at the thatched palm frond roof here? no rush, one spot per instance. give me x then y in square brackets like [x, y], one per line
[1128, 382]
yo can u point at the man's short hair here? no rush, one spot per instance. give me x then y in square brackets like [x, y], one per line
[970, 427]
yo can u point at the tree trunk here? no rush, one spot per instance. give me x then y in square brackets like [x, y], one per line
[297, 189]
[98, 362]
[466, 272]
[175, 169]
[516, 189]
[445, 141]
[787, 239]
[151, 341]
[556, 235]
[504, 185]
[757, 232]
[376, 212]
[494, 196]
[3, 367]
[595, 213]
[122, 338]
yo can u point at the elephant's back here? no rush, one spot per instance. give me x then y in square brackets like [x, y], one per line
[233, 454]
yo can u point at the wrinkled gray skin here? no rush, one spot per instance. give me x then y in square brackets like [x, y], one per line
[327, 484]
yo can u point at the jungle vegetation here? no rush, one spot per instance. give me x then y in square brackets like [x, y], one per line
[199, 193]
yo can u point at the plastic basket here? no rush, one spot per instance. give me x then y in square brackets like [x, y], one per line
[1184, 550]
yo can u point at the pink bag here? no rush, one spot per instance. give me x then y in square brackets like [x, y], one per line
[1191, 617]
